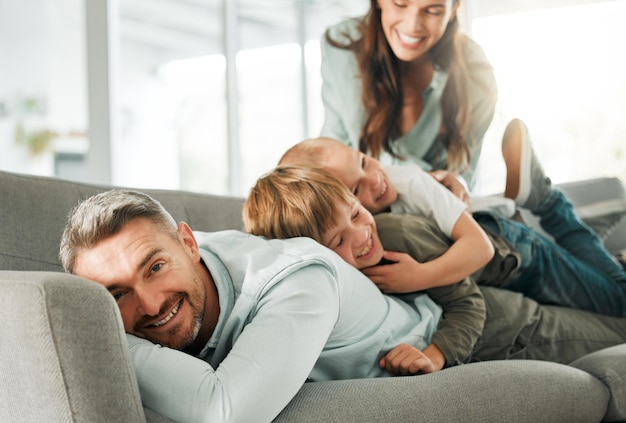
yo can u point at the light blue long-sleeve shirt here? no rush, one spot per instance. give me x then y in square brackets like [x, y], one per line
[344, 113]
[290, 310]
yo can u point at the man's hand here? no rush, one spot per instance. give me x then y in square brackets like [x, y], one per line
[404, 275]
[406, 360]
[453, 182]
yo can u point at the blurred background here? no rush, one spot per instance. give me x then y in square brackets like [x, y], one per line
[205, 95]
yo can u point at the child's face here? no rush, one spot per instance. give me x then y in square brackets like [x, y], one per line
[364, 176]
[354, 237]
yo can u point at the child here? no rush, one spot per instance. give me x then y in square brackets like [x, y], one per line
[574, 271]
[294, 201]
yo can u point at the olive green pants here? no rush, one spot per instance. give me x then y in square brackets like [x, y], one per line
[519, 328]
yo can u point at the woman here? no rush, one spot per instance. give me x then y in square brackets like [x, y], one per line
[402, 84]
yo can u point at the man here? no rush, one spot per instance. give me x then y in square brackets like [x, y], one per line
[228, 326]
[262, 316]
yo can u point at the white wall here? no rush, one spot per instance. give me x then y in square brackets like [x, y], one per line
[41, 56]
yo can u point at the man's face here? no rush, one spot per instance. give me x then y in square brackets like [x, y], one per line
[364, 176]
[159, 282]
[354, 237]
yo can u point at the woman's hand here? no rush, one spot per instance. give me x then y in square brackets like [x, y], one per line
[452, 181]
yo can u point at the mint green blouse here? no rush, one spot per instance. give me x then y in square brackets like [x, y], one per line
[345, 114]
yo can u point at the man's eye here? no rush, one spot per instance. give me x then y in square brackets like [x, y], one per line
[117, 295]
[156, 268]
[363, 160]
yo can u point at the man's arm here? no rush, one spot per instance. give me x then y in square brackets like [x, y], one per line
[268, 363]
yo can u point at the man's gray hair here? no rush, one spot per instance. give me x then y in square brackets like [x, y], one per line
[104, 215]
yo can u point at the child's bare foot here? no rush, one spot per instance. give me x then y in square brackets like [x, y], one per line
[525, 181]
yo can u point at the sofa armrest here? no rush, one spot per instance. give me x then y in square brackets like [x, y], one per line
[608, 365]
[64, 353]
[601, 204]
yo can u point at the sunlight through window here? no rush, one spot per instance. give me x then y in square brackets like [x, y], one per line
[562, 71]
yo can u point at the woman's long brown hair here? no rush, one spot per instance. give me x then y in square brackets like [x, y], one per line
[382, 94]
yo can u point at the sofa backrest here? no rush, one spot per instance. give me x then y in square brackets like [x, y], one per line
[34, 209]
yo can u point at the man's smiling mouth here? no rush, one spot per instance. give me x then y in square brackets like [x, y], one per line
[167, 318]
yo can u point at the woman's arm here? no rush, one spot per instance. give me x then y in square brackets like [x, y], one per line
[333, 126]
[483, 92]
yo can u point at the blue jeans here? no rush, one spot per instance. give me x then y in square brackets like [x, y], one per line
[574, 271]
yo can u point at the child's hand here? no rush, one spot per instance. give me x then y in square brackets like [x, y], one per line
[453, 183]
[406, 360]
[404, 275]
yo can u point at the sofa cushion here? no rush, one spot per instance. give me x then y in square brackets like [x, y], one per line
[609, 365]
[495, 391]
[35, 210]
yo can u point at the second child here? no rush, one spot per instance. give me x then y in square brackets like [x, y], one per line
[574, 270]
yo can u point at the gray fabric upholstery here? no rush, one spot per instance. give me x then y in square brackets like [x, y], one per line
[34, 210]
[64, 356]
[601, 203]
[497, 391]
[609, 366]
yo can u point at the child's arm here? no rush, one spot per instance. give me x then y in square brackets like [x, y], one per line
[462, 303]
[406, 360]
[455, 183]
[470, 251]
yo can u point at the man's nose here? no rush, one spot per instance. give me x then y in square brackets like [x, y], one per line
[149, 301]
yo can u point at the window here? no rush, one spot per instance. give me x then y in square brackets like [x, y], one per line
[561, 70]
[43, 99]
[211, 93]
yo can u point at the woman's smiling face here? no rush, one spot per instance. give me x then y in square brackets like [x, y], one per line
[412, 27]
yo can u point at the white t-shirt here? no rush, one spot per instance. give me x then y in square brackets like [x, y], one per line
[420, 194]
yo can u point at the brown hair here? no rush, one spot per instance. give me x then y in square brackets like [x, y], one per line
[382, 94]
[293, 201]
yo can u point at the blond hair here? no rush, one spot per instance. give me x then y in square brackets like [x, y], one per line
[294, 201]
[313, 152]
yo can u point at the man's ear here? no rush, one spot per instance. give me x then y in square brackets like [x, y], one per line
[187, 238]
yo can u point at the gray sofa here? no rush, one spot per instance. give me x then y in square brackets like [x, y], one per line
[64, 357]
